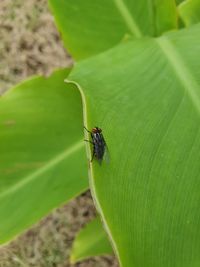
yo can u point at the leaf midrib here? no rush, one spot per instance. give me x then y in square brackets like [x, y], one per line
[128, 18]
[181, 70]
[50, 164]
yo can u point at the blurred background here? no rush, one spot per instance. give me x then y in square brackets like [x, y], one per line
[29, 45]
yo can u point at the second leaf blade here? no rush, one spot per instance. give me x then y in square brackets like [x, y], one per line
[43, 161]
[91, 241]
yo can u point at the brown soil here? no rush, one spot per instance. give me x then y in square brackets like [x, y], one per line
[31, 45]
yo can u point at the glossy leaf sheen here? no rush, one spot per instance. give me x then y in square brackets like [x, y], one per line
[190, 12]
[42, 151]
[91, 241]
[92, 26]
[145, 95]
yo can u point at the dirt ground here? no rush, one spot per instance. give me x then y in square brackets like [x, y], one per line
[29, 45]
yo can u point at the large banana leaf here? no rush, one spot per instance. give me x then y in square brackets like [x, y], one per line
[92, 26]
[145, 95]
[42, 158]
[91, 241]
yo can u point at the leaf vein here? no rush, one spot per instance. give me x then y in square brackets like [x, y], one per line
[128, 18]
[181, 70]
[50, 164]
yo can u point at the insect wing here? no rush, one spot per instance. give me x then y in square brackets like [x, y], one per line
[106, 154]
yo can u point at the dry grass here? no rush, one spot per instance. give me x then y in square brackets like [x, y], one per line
[31, 45]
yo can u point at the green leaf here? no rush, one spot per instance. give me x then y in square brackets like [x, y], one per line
[92, 26]
[190, 12]
[91, 241]
[42, 151]
[179, 1]
[145, 95]
[165, 16]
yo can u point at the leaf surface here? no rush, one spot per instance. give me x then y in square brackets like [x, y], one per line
[42, 151]
[145, 95]
[179, 1]
[92, 26]
[190, 12]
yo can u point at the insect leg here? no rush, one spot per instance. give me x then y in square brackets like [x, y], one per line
[87, 129]
[89, 141]
[92, 156]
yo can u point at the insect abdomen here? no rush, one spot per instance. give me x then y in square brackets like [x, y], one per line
[99, 145]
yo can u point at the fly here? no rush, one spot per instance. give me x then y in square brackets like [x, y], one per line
[98, 142]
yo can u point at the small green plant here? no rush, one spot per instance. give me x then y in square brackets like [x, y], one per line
[136, 76]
